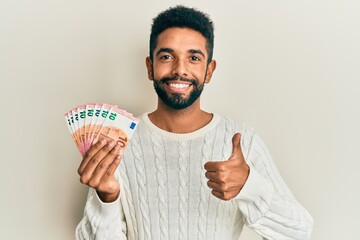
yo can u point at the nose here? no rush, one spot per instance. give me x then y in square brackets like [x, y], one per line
[179, 68]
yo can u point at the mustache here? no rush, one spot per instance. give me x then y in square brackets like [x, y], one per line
[174, 78]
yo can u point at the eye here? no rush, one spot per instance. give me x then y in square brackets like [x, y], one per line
[195, 58]
[165, 57]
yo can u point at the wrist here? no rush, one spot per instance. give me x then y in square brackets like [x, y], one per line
[108, 197]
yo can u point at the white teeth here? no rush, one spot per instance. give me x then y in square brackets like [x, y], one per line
[178, 85]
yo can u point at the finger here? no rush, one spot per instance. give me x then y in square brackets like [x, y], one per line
[214, 166]
[225, 195]
[215, 186]
[111, 186]
[214, 176]
[236, 150]
[103, 166]
[90, 153]
[223, 186]
[114, 165]
[217, 194]
[94, 161]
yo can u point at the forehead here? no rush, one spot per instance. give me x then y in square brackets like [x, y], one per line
[181, 39]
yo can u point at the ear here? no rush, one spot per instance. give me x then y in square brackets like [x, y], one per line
[149, 68]
[210, 69]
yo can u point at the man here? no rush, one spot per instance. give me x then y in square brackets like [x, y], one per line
[187, 173]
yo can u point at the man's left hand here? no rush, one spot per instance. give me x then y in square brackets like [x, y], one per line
[226, 178]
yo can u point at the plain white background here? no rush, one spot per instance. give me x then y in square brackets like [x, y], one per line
[290, 69]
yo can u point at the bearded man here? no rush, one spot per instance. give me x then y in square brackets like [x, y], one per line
[187, 173]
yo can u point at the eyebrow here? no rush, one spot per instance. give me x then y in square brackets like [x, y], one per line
[170, 50]
[197, 51]
[161, 50]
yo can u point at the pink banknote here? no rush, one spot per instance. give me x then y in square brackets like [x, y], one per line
[87, 123]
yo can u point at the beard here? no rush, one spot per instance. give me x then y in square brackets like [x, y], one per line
[177, 100]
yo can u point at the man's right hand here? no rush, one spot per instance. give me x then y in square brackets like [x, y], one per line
[98, 167]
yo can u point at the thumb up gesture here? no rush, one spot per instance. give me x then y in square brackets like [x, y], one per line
[226, 178]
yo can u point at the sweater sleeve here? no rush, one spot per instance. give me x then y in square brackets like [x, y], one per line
[101, 220]
[265, 201]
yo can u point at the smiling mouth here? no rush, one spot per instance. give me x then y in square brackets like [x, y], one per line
[178, 86]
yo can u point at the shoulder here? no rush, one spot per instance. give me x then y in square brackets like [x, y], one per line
[234, 126]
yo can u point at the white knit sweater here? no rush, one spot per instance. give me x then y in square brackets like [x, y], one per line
[164, 193]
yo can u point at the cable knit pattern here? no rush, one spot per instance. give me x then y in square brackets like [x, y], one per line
[204, 190]
[129, 201]
[183, 189]
[217, 230]
[164, 193]
[229, 132]
[227, 140]
[142, 181]
[246, 139]
[161, 175]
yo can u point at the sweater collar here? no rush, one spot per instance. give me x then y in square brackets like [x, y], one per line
[180, 136]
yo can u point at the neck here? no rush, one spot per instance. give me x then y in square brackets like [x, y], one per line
[185, 120]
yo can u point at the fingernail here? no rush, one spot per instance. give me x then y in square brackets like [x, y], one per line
[117, 147]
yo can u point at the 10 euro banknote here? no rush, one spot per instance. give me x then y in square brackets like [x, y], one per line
[87, 123]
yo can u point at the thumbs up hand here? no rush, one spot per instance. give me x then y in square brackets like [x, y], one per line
[227, 178]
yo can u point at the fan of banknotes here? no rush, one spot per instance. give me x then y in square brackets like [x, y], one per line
[87, 123]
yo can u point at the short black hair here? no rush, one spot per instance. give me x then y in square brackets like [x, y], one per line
[183, 17]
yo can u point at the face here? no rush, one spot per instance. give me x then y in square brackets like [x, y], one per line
[179, 68]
